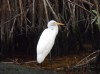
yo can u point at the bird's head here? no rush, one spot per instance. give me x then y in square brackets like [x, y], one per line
[53, 23]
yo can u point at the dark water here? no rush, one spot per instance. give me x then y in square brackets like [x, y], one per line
[16, 69]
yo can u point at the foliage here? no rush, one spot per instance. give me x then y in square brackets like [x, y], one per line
[22, 21]
[96, 18]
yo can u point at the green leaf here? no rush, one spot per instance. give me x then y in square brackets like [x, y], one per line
[98, 21]
[95, 12]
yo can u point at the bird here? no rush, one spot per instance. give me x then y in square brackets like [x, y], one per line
[46, 40]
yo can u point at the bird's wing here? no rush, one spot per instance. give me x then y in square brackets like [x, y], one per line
[46, 42]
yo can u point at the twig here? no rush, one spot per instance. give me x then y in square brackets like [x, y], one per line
[88, 56]
[16, 62]
[81, 7]
[52, 10]
[11, 31]
[30, 62]
[87, 62]
[85, 1]
[9, 5]
[46, 10]
[15, 16]
[7, 62]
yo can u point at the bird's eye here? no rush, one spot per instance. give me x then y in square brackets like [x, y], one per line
[52, 29]
[55, 23]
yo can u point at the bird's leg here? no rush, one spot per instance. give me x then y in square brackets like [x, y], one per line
[41, 65]
[50, 60]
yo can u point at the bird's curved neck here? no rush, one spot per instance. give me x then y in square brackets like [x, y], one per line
[54, 28]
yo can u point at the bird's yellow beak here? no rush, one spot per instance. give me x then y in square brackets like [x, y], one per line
[59, 23]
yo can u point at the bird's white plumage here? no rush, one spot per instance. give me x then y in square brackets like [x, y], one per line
[46, 41]
[45, 44]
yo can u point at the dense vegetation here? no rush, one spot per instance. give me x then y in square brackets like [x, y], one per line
[22, 21]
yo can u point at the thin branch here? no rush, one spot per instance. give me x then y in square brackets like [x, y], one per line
[52, 10]
[89, 56]
[9, 5]
[12, 28]
[81, 7]
[45, 10]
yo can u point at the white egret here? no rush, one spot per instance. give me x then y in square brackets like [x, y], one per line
[47, 40]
